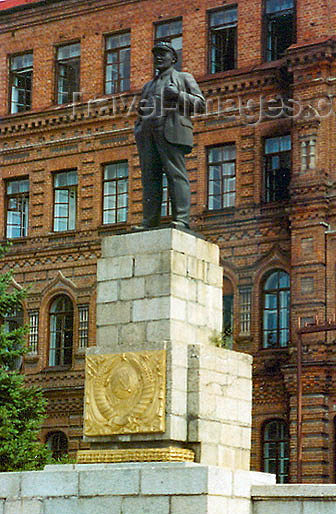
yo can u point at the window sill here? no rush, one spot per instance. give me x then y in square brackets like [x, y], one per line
[56, 368]
[60, 235]
[31, 357]
[16, 240]
[112, 228]
[276, 349]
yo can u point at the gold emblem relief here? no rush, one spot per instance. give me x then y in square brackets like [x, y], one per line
[125, 393]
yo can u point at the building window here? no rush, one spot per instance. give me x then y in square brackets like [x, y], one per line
[57, 442]
[221, 177]
[276, 450]
[276, 297]
[171, 31]
[61, 332]
[223, 40]
[117, 71]
[279, 27]
[83, 331]
[166, 204]
[12, 321]
[67, 72]
[65, 194]
[17, 204]
[245, 309]
[21, 79]
[227, 311]
[33, 331]
[308, 154]
[115, 189]
[277, 168]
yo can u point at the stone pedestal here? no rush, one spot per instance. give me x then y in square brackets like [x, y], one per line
[138, 488]
[156, 389]
[159, 303]
[159, 285]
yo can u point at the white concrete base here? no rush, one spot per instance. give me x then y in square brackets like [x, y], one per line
[138, 488]
[294, 499]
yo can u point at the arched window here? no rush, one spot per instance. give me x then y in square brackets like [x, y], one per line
[61, 332]
[276, 449]
[276, 310]
[57, 442]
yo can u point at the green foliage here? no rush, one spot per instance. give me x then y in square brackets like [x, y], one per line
[222, 339]
[22, 409]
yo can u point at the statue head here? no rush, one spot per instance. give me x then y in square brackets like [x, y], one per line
[164, 55]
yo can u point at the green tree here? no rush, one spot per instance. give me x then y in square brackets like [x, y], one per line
[22, 409]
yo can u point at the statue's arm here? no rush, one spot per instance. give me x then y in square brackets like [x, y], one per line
[142, 101]
[192, 99]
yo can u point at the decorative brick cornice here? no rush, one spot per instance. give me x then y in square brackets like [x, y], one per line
[311, 53]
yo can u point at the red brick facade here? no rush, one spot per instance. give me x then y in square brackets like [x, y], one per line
[256, 237]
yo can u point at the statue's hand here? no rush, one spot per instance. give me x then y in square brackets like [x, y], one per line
[171, 92]
[142, 105]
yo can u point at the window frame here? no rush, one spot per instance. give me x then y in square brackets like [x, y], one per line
[62, 362]
[70, 188]
[178, 65]
[24, 213]
[265, 31]
[245, 310]
[117, 195]
[59, 452]
[273, 194]
[83, 326]
[57, 74]
[223, 193]
[210, 32]
[33, 334]
[110, 51]
[277, 345]
[277, 442]
[11, 74]
[166, 208]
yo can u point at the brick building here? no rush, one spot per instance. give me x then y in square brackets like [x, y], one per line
[261, 176]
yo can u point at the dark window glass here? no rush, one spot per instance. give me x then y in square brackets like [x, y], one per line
[57, 442]
[276, 309]
[279, 27]
[117, 72]
[171, 31]
[61, 332]
[277, 168]
[67, 72]
[221, 177]
[276, 450]
[223, 40]
[65, 200]
[115, 193]
[21, 78]
[17, 205]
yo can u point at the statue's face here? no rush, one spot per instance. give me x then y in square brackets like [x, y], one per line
[163, 59]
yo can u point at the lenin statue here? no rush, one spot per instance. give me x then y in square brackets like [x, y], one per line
[163, 133]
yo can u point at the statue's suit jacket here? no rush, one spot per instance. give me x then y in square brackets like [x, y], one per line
[177, 122]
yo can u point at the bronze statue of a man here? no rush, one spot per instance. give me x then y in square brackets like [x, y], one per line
[163, 134]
